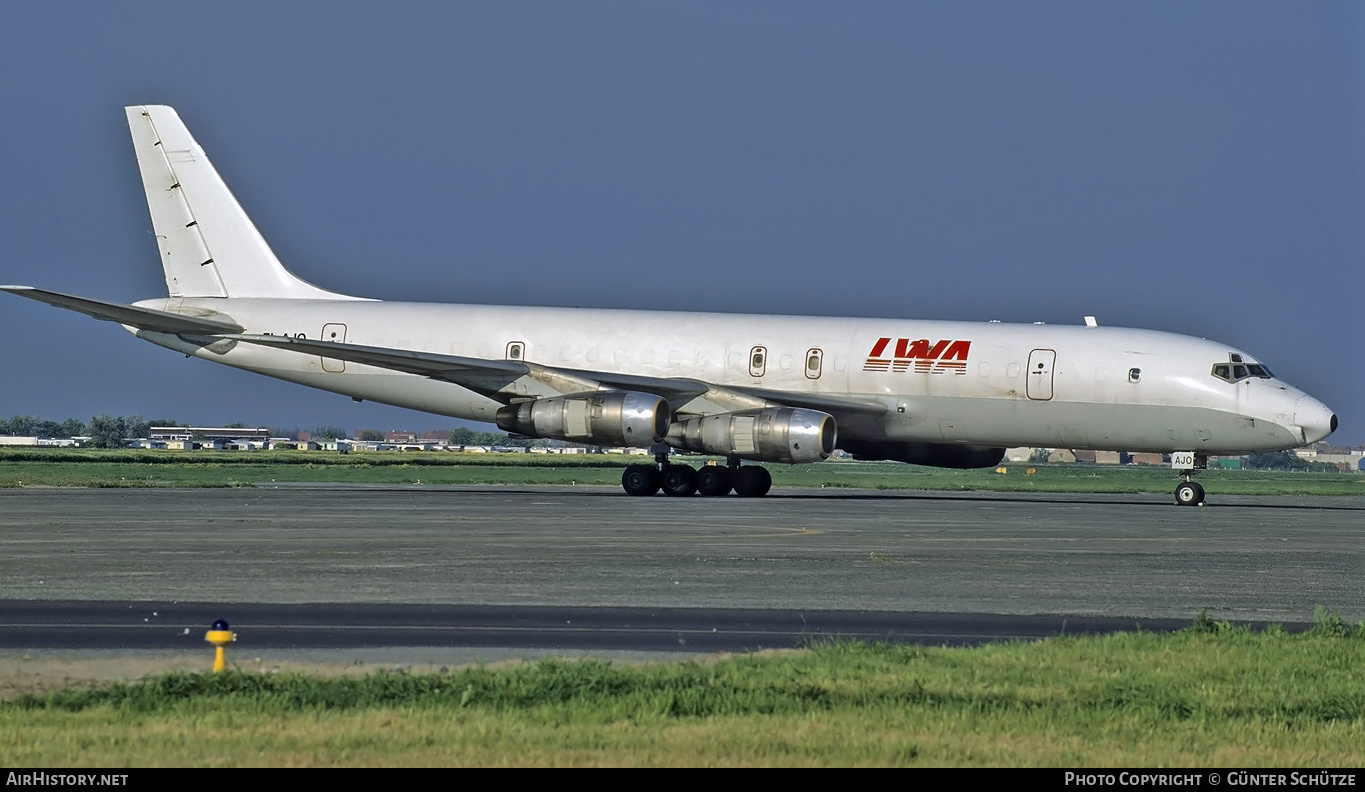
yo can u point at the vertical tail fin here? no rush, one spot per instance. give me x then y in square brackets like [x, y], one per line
[209, 247]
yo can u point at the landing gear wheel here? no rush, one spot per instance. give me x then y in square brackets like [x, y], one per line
[640, 480]
[714, 480]
[679, 480]
[752, 481]
[1188, 493]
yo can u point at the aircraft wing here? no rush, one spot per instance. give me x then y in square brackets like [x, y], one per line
[141, 318]
[496, 379]
[492, 378]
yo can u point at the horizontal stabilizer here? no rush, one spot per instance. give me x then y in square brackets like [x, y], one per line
[142, 318]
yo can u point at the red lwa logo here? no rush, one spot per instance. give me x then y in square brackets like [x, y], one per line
[939, 358]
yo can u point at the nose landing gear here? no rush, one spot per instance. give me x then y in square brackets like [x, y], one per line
[1187, 492]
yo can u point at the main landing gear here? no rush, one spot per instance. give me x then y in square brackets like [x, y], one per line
[1187, 492]
[747, 481]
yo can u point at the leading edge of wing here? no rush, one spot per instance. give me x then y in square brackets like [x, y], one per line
[492, 378]
[141, 318]
[478, 374]
[489, 377]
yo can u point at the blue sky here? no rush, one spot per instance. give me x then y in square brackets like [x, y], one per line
[1193, 167]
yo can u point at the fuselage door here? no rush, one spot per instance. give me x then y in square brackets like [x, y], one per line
[1040, 362]
[337, 333]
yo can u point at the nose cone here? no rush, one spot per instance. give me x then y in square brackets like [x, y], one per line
[1314, 419]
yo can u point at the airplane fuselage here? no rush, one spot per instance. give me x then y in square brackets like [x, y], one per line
[969, 383]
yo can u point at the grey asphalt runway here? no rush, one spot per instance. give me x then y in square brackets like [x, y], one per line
[152, 626]
[1122, 556]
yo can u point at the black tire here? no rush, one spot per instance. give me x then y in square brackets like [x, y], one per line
[752, 481]
[714, 480]
[640, 480]
[765, 481]
[679, 481]
[1189, 493]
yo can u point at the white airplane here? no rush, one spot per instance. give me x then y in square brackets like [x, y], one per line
[745, 387]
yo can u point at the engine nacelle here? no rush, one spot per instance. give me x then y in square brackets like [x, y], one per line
[943, 455]
[772, 434]
[607, 417]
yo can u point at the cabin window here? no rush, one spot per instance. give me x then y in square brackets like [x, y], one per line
[1134, 374]
[758, 359]
[516, 350]
[814, 361]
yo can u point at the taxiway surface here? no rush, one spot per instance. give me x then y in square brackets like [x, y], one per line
[1130, 556]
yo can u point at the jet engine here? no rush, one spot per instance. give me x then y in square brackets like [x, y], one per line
[771, 434]
[606, 417]
[943, 455]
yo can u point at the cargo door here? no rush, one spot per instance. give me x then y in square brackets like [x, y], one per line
[337, 333]
[1040, 363]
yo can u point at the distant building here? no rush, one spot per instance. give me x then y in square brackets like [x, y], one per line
[63, 442]
[208, 433]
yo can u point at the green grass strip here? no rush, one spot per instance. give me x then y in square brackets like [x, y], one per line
[1214, 694]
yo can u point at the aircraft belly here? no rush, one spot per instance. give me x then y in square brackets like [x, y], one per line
[1115, 427]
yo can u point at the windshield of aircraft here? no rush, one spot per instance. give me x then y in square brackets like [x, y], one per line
[1237, 369]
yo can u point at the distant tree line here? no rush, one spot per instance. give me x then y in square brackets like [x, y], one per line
[106, 431]
[33, 426]
[469, 437]
[1285, 460]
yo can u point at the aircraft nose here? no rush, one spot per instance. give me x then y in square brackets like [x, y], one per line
[1314, 419]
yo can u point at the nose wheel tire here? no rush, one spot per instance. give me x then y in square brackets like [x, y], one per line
[640, 480]
[679, 480]
[714, 480]
[1189, 493]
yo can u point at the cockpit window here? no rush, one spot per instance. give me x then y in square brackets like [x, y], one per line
[1236, 370]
